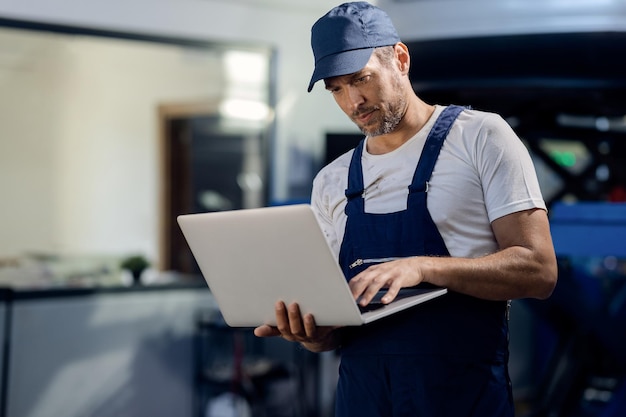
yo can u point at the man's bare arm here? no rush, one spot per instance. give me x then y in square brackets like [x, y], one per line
[525, 266]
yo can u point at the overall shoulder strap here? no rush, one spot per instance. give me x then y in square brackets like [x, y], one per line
[355, 173]
[432, 147]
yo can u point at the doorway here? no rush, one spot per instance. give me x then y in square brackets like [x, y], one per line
[207, 165]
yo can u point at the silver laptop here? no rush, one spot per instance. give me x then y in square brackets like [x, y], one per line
[253, 258]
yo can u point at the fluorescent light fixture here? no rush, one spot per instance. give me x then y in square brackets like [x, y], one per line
[244, 110]
[245, 67]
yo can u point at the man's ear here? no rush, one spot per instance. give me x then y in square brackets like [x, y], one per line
[403, 57]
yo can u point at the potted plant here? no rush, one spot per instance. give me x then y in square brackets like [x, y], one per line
[135, 264]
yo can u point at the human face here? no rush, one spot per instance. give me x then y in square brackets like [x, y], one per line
[373, 98]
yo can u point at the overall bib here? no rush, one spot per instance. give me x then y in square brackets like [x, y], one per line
[444, 358]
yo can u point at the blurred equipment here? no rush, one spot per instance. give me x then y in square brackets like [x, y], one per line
[584, 342]
[241, 375]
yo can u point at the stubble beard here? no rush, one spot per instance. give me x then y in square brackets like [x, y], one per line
[390, 117]
[387, 122]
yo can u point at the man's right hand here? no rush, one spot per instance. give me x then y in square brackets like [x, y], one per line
[292, 326]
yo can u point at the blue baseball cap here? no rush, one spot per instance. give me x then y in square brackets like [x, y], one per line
[344, 38]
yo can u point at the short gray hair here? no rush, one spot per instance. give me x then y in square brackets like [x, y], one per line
[385, 54]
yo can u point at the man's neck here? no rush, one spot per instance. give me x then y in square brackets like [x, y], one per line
[416, 116]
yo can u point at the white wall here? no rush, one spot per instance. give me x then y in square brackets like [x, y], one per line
[302, 118]
[52, 145]
[78, 139]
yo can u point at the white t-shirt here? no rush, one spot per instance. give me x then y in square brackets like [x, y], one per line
[483, 172]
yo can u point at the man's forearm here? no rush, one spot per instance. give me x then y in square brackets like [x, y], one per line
[508, 274]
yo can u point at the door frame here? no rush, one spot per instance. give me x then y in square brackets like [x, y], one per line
[167, 113]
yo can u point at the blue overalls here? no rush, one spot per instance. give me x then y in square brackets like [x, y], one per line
[445, 358]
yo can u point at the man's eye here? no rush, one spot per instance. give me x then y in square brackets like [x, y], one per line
[361, 80]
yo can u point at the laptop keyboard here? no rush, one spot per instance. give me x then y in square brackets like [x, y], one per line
[373, 305]
[376, 304]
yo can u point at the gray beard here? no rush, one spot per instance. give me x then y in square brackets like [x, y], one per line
[389, 122]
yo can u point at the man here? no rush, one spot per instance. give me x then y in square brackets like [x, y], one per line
[446, 196]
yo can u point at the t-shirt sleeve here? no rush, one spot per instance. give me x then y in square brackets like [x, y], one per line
[506, 169]
[323, 212]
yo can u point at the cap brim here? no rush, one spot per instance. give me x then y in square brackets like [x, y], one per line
[343, 63]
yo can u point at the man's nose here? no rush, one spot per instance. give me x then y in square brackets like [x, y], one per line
[355, 98]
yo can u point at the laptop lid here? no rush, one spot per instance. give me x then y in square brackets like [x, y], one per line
[253, 258]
